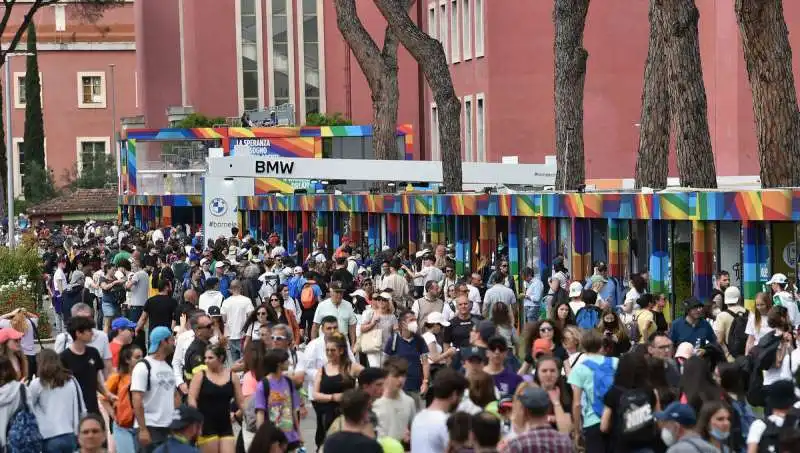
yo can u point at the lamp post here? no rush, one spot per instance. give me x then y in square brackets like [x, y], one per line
[10, 148]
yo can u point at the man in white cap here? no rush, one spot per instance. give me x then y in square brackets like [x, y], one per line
[779, 285]
[576, 297]
[731, 322]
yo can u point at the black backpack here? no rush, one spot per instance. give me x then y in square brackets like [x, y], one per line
[770, 439]
[737, 338]
[635, 420]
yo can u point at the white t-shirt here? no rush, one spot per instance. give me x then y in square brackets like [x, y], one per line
[429, 432]
[60, 276]
[431, 338]
[758, 427]
[394, 415]
[235, 310]
[209, 299]
[750, 329]
[576, 305]
[632, 295]
[784, 372]
[159, 403]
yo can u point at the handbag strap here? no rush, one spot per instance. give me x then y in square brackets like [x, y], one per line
[35, 333]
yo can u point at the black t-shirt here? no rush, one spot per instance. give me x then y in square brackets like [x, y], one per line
[347, 442]
[661, 321]
[85, 367]
[457, 333]
[637, 438]
[160, 310]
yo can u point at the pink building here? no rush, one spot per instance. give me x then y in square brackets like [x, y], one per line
[75, 63]
[253, 54]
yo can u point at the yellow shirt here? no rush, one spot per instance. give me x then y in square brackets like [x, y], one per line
[646, 323]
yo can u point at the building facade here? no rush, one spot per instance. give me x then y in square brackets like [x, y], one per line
[78, 59]
[224, 57]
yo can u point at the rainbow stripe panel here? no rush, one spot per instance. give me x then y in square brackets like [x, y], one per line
[777, 205]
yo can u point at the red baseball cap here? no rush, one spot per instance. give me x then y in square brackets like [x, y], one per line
[8, 333]
[542, 346]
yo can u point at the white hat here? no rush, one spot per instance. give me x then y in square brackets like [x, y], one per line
[778, 278]
[359, 292]
[436, 318]
[385, 295]
[732, 295]
[575, 289]
[685, 350]
[298, 270]
[385, 248]
[203, 261]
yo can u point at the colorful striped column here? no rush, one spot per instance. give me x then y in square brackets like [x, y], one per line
[485, 237]
[462, 244]
[581, 249]
[278, 219]
[437, 230]
[658, 236]
[547, 238]
[373, 232]
[291, 231]
[703, 258]
[413, 234]
[242, 221]
[755, 268]
[393, 230]
[619, 234]
[263, 224]
[336, 229]
[166, 216]
[513, 247]
[305, 228]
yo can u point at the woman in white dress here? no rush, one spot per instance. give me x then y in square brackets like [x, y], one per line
[380, 315]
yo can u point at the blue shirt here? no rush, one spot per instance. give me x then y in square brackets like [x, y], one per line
[683, 332]
[224, 286]
[412, 350]
[609, 291]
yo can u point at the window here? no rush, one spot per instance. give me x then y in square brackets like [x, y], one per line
[443, 29]
[434, 133]
[92, 90]
[479, 31]
[468, 128]
[19, 166]
[90, 151]
[20, 97]
[432, 22]
[466, 29]
[455, 48]
[480, 118]
[61, 17]
[309, 30]
[280, 29]
[250, 50]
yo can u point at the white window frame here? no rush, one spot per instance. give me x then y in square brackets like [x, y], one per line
[480, 28]
[444, 32]
[480, 127]
[60, 16]
[455, 42]
[433, 21]
[103, 96]
[466, 30]
[19, 82]
[434, 123]
[79, 141]
[291, 44]
[16, 142]
[259, 52]
[301, 59]
[469, 129]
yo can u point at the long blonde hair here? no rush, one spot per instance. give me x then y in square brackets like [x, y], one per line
[20, 322]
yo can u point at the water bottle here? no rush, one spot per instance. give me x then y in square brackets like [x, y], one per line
[301, 450]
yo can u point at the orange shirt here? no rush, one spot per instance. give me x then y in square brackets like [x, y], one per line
[119, 384]
[115, 348]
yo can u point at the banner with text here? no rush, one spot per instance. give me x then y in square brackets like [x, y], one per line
[220, 207]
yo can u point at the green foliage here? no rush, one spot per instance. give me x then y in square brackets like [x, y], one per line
[681, 276]
[21, 282]
[33, 141]
[97, 172]
[334, 119]
[39, 183]
[199, 120]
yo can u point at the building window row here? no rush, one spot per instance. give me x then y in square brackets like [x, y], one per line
[91, 90]
[447, 17]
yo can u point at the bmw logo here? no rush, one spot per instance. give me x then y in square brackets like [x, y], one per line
[218, 207]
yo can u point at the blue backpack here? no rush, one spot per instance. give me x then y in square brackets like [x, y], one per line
[22, 435]
[296, 287]
[603, 380]
[588, 317]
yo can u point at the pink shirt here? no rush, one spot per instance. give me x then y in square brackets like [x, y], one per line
[249, 384]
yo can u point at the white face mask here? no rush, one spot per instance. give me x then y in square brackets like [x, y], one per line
[667, 437]
[413, 326]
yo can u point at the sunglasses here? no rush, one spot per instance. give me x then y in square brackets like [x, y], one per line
[274, 299]
[545, 329]
[498, 348]
[281, 338]
[204, 326]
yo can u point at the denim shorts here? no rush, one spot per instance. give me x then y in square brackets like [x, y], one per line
[110, 309]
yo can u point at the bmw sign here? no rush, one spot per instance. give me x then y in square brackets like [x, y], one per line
[218, 207]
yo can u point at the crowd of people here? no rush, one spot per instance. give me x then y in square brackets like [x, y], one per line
[177, 343]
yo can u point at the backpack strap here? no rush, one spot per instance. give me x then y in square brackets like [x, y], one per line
[35, 333]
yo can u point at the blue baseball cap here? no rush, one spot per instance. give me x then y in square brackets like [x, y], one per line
[677, 412]
[158, 335]
[122, 323]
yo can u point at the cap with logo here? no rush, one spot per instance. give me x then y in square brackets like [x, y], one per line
[184, 416]
[677, 412]
[778, 278]
[575, 289]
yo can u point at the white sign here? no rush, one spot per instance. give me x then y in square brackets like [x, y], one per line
[220, 207]
[380, 170]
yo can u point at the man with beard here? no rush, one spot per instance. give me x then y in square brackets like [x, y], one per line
[429, 428]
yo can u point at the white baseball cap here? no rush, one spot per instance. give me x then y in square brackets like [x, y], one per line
[575, 289]
[436, 318]
[732, 295]
[779, 278]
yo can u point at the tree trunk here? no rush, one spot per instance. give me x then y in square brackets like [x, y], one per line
[380, 69]
[431, 58]
[652, 163]
[687, 95]
[768, 54]
[569, 17]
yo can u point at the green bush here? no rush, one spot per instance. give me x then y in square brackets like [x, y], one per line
[21, 283]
